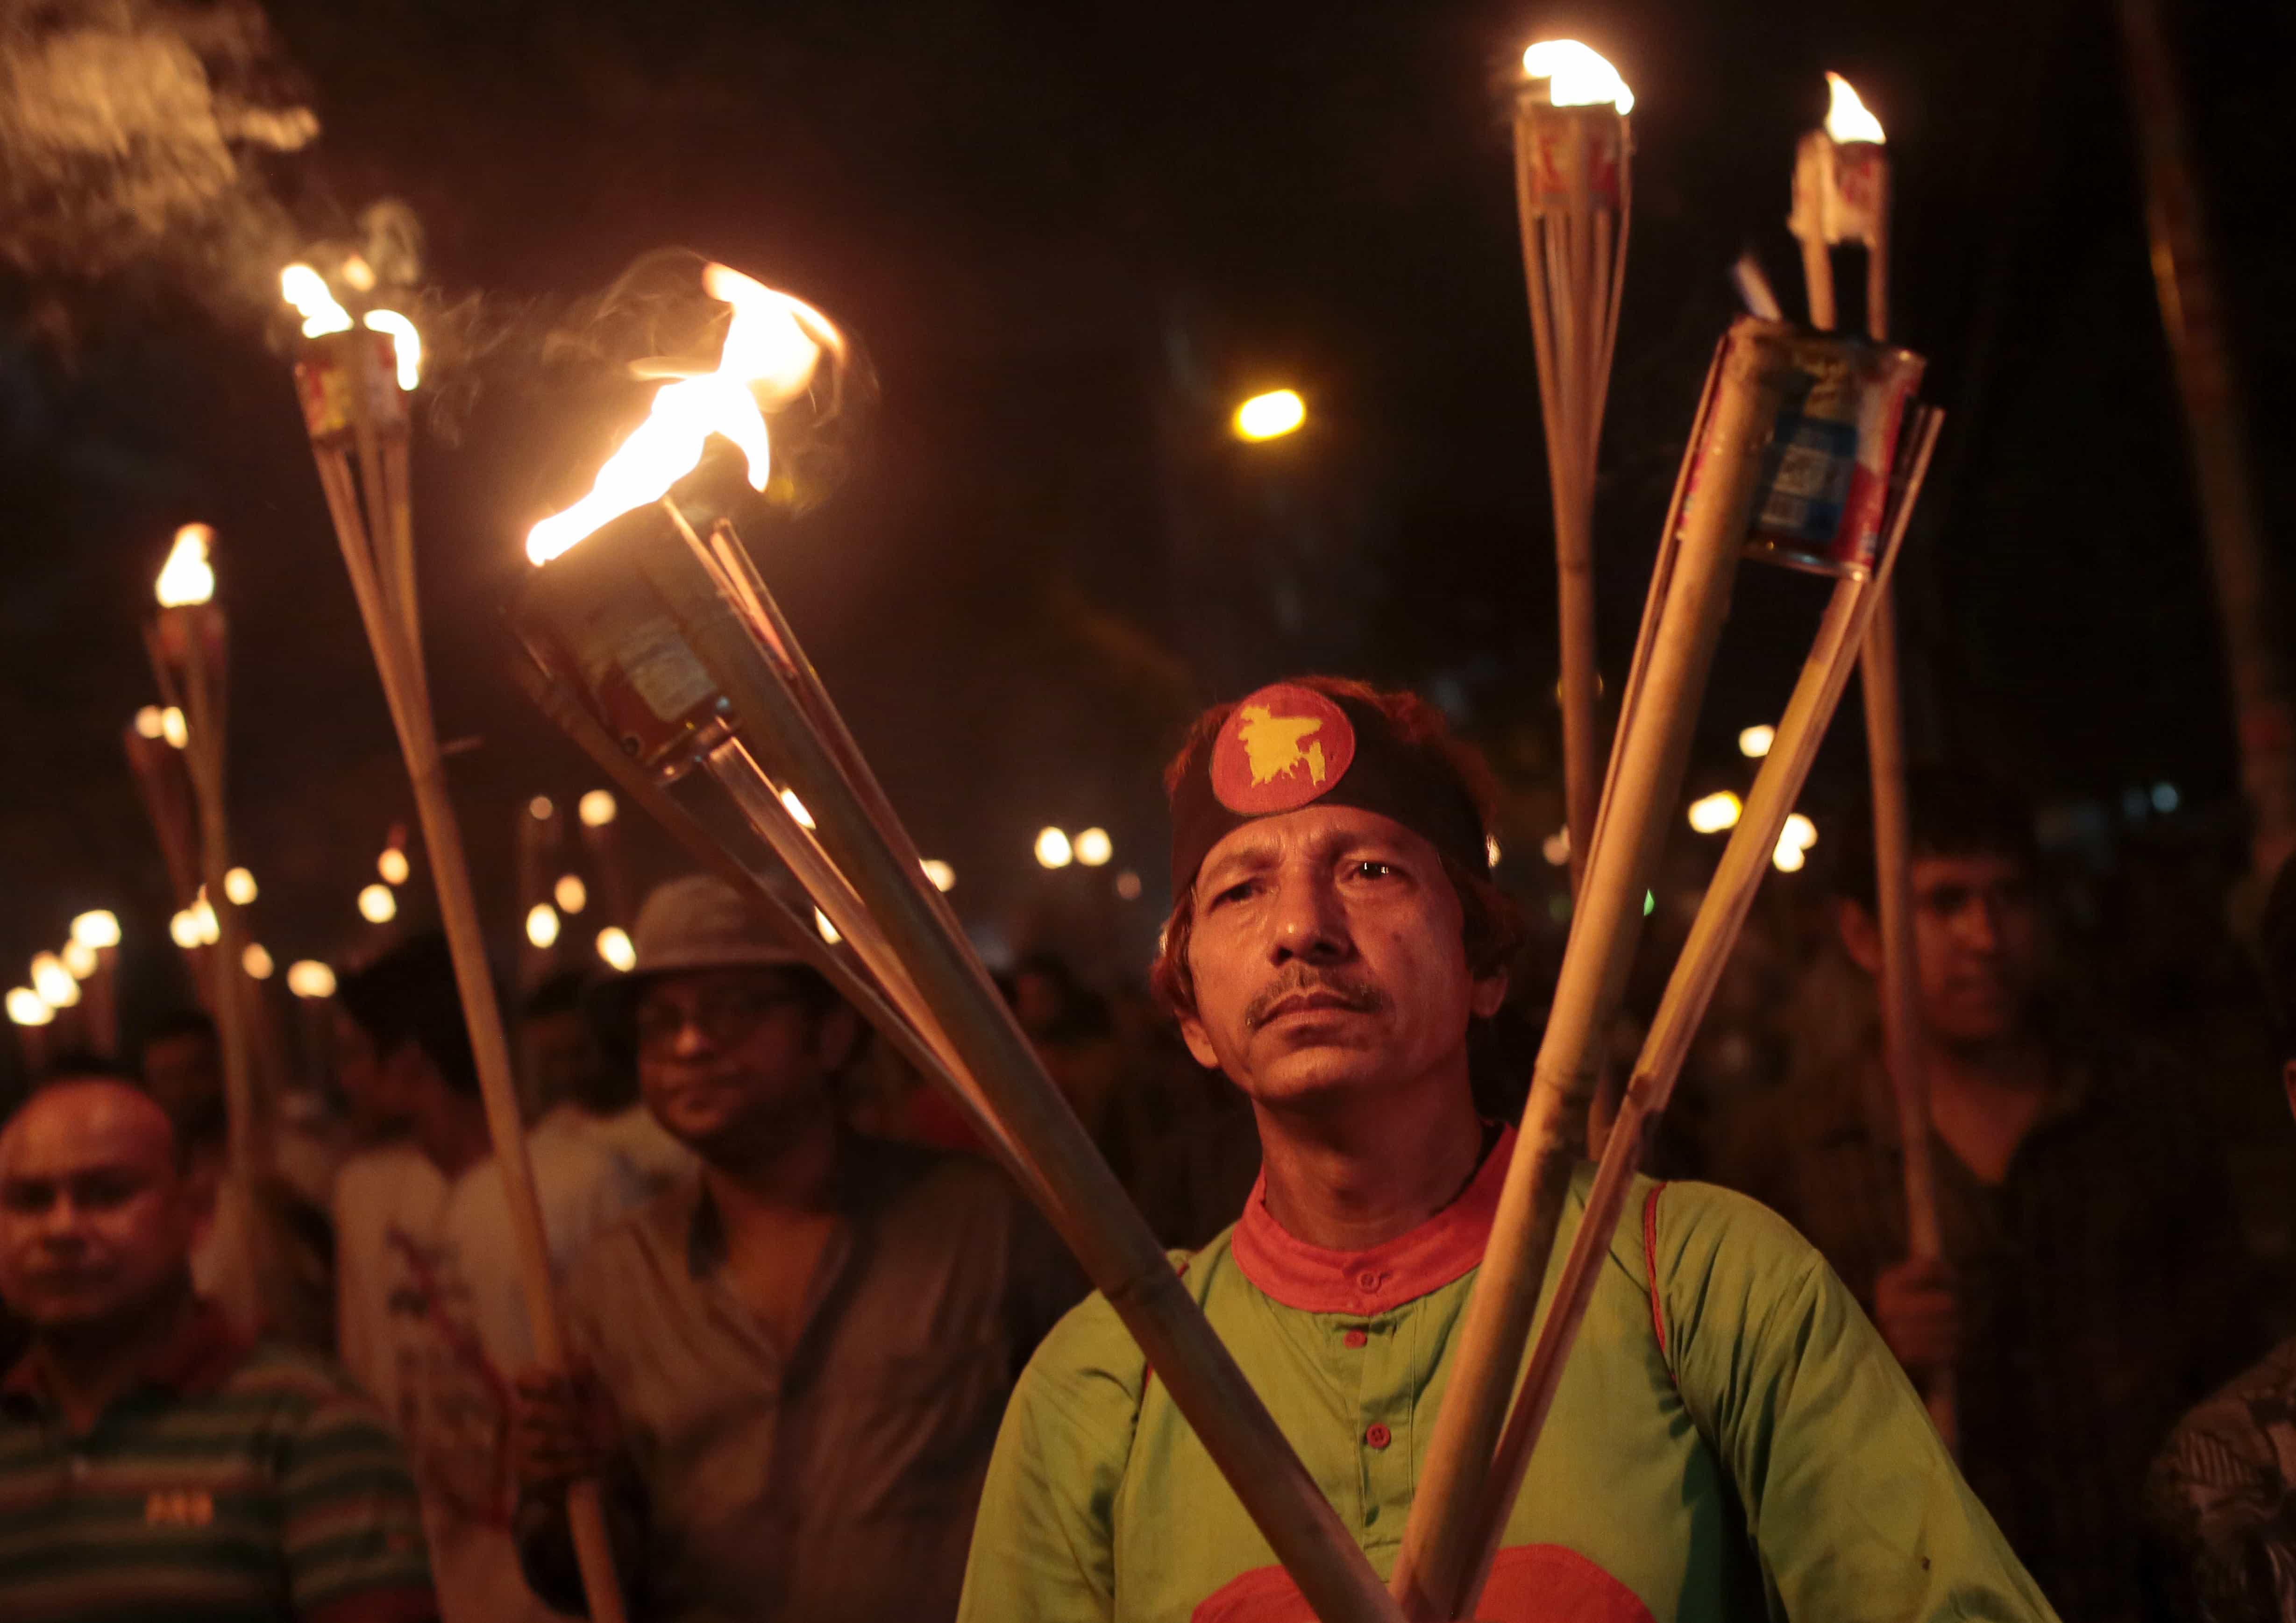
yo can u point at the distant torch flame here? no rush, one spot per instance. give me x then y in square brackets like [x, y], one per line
[1847, 119]
[187, 578]
[308, 291]
[1576, 75]
[405, 343]
[773, 345]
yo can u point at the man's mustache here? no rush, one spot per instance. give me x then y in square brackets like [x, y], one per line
[1359, 997]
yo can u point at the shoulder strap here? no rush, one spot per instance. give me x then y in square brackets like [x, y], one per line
[1650, 1265]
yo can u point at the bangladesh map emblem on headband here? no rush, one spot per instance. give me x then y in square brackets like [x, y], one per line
[1281, 748]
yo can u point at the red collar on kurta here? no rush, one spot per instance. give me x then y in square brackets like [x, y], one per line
[1410, 1266]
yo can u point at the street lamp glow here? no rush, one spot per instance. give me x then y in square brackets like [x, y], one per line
[204, 920]
[1093, 847]
[174, 728]
[1788, 858]
[1716, 813]
[98, 928]
[597, 808]
[615, 947]
[1576, 75]
[392, 865]
[54, 982]
[943, 876]
[1754, 742]
[239, 885]
[79, 958]
[255, 961]
[309, 978]
[183, 929]
[26, 1007]
[540, 809]
[377, 904]
[828, 931]
[1271, 415]
[150, 724]
[571, 893]
[541, 925]
[1800, 832]
[1053, 849]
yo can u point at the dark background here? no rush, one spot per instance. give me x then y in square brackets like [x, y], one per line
[1072, 238]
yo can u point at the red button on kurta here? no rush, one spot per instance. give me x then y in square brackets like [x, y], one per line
[1355, 1338]
[1379, 1436]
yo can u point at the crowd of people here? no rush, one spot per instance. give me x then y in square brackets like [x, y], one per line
[829, 1365]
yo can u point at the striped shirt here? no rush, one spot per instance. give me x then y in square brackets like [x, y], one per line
[230, 1482]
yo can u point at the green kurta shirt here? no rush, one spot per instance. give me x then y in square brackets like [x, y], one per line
[1764, 1445]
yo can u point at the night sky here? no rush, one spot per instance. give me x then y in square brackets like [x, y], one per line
[1072, 238]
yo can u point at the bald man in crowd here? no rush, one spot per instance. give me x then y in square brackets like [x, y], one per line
[152, 1463]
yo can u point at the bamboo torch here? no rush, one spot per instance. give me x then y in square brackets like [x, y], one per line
[1842, 194]
[676, 649]
[353, 380]
[1573, 197]
[1754, 843]
[1690, 593]
[188, 642]
[97, 934]
[29, 1013]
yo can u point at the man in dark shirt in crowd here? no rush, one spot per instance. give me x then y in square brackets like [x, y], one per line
[2222, 1497]
[800, 1352]
[153, 1463]
[2093, 1283]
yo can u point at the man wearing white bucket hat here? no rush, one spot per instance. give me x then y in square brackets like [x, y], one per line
[799, 1356]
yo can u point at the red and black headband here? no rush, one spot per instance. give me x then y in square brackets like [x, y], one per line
[1290, 745]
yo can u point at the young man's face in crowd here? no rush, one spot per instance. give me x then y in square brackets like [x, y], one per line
[1977, 945]
[95, 1222]
[183, 1072]
[727, 1056]
[1326, 959]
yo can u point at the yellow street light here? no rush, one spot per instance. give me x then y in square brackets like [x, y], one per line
[571, 893]
[943, 876]
[27, 1008]
[239, 885]
[1053, 849]
[98, 928]
[255, 961]
[392, 865]
[377, 904]
[541, 925]
[79, 958]
[597, 808]
[1271, 415]
[1093, 847]
[615, 947]
[54, 982]
[1754, 742]
[309, 978]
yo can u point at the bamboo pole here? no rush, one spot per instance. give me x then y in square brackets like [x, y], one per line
[2193, 318]
[185, 643]
[1574, 253]
[1882, 687]
[382, 581]
[1648, 762]
[882, 880]
[1801, 730]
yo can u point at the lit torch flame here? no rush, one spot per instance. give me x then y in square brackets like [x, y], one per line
[308, 291]
[1847, 120]
[1576, 75]
[773, 345]
[187, 578]
[405, 343]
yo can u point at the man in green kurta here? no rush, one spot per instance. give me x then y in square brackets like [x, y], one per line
[1731, 1434]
